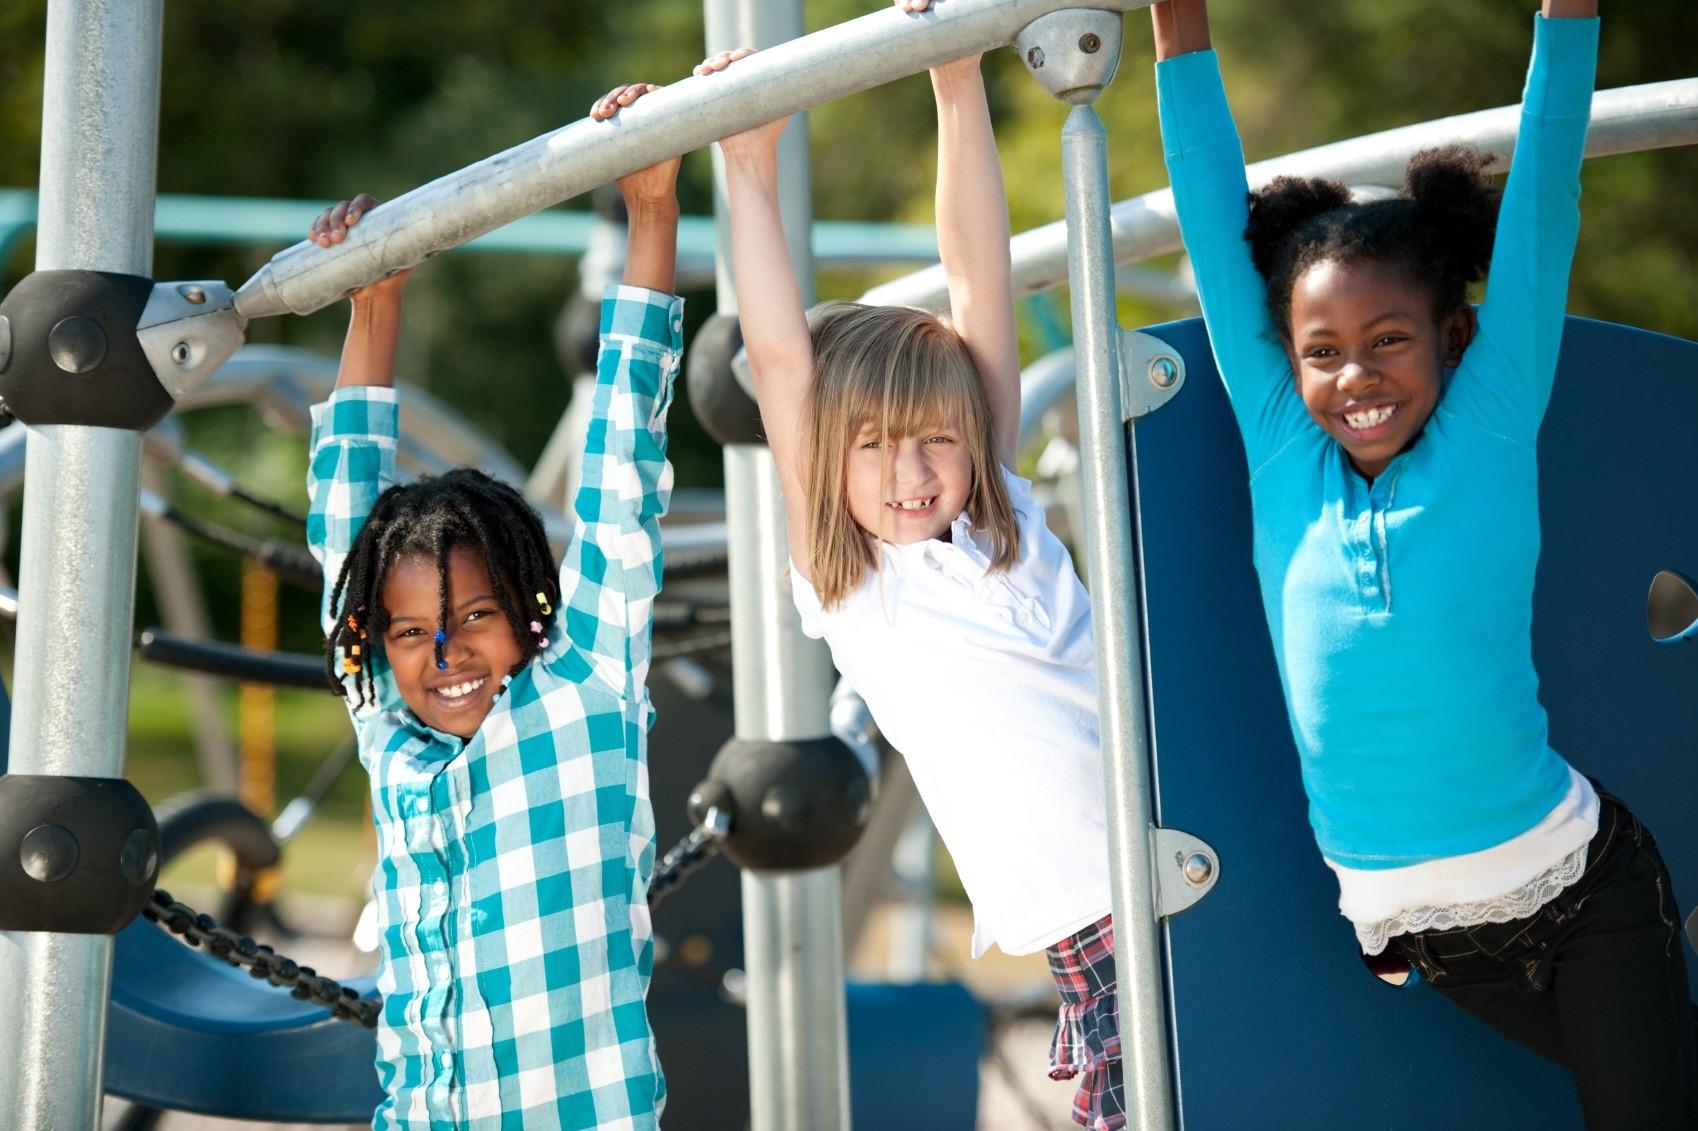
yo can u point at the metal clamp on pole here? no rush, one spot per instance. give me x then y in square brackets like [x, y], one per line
[107, 349]
[1151, 372]
[1073, 54]
[793, 805]
[1186, 870]
[78, 855]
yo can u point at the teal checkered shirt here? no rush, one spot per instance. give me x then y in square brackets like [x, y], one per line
[513, 868]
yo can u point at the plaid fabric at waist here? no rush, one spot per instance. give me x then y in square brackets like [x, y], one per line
[1087, 1030]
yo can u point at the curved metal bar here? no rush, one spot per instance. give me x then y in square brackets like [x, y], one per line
[827, 65]
[232, 661]
[1628, 119]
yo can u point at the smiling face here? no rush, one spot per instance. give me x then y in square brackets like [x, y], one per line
[910, 489]
[480, 650]
[1369, 355]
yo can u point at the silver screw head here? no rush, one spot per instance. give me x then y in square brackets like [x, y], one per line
[192, 293]
[1089, 43]
[180, 353]
[1035, 58]
[1163, 372]
[1198, 868]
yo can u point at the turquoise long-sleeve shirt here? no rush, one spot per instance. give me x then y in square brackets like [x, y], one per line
[1401, 609]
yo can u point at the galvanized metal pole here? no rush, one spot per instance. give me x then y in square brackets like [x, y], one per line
[1074, 53]
[100, 124]
[1115, 567]
[792, 922]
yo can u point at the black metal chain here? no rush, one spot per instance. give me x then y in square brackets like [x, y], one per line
[263, 963]
[703, 843]
[344, 1002]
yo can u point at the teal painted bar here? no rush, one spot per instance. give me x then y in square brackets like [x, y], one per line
[265, 220]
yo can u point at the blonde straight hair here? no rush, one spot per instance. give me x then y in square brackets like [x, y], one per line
[902, 370]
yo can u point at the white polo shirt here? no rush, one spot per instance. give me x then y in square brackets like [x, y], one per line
[987, 684]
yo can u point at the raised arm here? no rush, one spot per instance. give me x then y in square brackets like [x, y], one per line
[352, 458]
[769, 305]
[972, 238]
[1521, 318]
[611, 571]
[1205, 165]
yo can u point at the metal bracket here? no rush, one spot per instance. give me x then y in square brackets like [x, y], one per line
[1185, 870]
[187, 330]
[1151, 372]
[1073, 53]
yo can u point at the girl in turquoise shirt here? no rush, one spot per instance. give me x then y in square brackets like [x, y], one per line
[1391, 434]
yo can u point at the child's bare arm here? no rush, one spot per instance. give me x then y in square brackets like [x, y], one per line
[769, 303]
[972, 236]
[651, 204]
[374, 326]
[1181, 27]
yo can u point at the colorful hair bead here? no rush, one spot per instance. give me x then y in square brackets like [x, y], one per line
[536, 627]
[441, 638]
[542, 603]
[349, 667]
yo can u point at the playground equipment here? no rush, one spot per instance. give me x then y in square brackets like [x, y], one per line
[1192, 1046]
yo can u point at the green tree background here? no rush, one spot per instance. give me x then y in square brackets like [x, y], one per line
[315, 100]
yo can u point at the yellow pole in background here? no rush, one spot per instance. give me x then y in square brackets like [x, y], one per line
[258, 717]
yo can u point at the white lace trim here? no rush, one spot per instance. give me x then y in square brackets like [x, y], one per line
[1505, 908]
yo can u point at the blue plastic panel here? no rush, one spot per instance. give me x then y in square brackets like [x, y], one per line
[1278, 1023]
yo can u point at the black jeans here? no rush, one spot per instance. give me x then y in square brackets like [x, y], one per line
[1595, 980]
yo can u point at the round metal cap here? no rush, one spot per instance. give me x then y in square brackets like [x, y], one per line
[1198, 868]
[48, 853]
[76, 344]
[138, 860]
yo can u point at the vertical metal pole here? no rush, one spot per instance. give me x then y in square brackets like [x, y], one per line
[792, 923]
[1116, 577]
[99, 136]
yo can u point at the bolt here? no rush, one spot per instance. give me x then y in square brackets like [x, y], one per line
[1035, 58]
[192, 293]
[1198, 868]
[77, 344]
[138, 860]
[1163, 372]
[180, 353]
[48, 853]
[1089, 43]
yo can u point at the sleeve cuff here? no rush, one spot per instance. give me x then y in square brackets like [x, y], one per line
[637, 313]
[1191, 100]
[358, 412]
[1564, 68]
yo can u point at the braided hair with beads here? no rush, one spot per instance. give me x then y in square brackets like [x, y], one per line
[431, 517]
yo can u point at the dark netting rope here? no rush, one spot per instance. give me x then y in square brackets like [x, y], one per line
[344, 1002]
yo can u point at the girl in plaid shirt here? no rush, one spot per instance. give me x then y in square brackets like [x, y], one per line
[502, 717]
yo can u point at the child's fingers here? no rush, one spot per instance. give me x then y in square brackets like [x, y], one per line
[359, 206]
[913, 5]
[722, 59]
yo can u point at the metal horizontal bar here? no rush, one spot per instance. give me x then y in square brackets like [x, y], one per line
[829, 64]
[1624, 120]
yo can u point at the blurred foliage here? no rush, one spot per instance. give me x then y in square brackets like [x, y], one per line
[313, 99]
